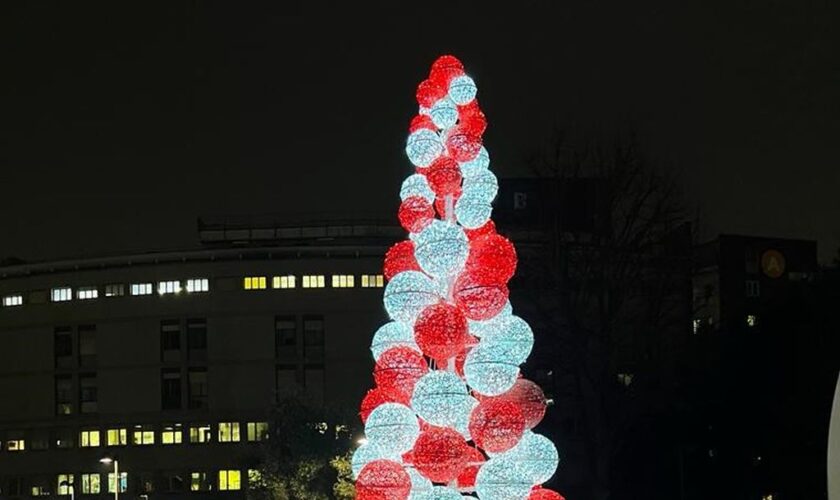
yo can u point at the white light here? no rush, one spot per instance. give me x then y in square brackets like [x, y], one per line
[490, 370]
[441, 248]
[416, 185]
[423, 147]
[444, 113]
[390, 335]
[462, 89]
[440, 398]
[477, 165]
[391, 429]
[408, 293]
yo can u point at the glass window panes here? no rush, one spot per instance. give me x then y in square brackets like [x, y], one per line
[112, 482]
[257, 431]
[90, 484]
[115, 290]
[254, 283]
[198, 285]
[87, 293]
[343, 281]
[200, 433]
[373, 281]
[117, 437]
[283, 281]
[61, 294]
[171, 434]
[167, 287]
[229, 432]
[89, 439]
[141, 289]
[63, 484]
[15, 445]
[230, 480]
[200, 481]
[142, 436]
[12, 300]
[313, 281]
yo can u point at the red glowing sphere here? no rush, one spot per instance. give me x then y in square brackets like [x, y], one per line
[479, 295]
[398, 369]
[539, 493]
[530, 399]
[496, 425]
[444, 69]
[421, 121]
[441, 331]
[429, 91]
[399, 258]
[444, 176]
[383, 480]
[494, 255]
[378, 396]
[466, 479]
[462, 144]
[472, 118]
[440, 454]
[416, 213]
[488, 228]
[461, 357]
[440, 204]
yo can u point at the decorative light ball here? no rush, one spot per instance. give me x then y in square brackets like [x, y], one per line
[480, 163]
[399, 258]
[499, 479]
[440, 331]
[422, 147]
[440, 453]
[462, 89]
[383, 480]
[438, 398]
[461, 357]
[441, 248]
[392, 334]
[378, 396]
[466, 479]
[444, 176]
[481, 328]
[416, 213]
[445, 68]
[472, 210]
[462, 417]
[409, 292]
[419, 484]
[438, 493]
[392, 428]
[488, 371]
[482, 184]
[514, 336]
[462, 143]
[430, 91]
[535, 456]
[530, 398]
[444, 113]
[495, 254]
[363, 455]
[480, 297]
[442, 204]
[538, 493]
[421, 121]
[416, 185]
[488, 228]
[398, 369]
[475, 125]
[496, 425]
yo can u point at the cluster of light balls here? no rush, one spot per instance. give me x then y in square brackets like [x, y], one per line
[451, 415]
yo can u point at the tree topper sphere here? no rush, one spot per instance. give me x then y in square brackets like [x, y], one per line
[383, 480]
[441, 248]
[423, 147]
[392, 428]
[440, 453]
[398, 369]
[408, 293]
[392, 334]
[440, 331]
[440, 397]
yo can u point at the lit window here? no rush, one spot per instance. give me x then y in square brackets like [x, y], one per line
[40, 488]
[198, 285]
[171, 434]
[769, 496]
[343, 281]
[255, 479]
[696, 324]
[15, 445]
[12, 300]
[257, 431]
[229, 432]
[254, 283]
[89, 439]
[62, 294]
[751, 320]
[229, 480]
[200, 481]
[115, 290]
[166, 287]
[373, 281]
[112, 482]
[625, 379]
[63, 484]
[87, 292]
[283, 281]
[142, 436]
[90, 484]
[117, 437]
[200, 434]
[313, 281]
[141, 289]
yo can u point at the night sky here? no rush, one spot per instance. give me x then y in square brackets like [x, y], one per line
[120, 127]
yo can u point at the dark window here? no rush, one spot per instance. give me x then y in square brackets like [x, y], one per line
[313, 382]
[88, 397]
[313, 338]
[14, 487]
[170, 389]
[64, 438]
[39, 440]
[197, 338]
[198, 388]
[63, 347]
[145, 483]
[63, 395]
[87, 345]
[287, 380]
[285, 335]
[170, 340]
[173, 482]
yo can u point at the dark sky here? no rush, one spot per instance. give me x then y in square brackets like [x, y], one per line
[121, 126]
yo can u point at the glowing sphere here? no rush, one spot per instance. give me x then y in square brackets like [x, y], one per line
[392, 334]
[416, 185]
[495, 255]
[421, 121]
[474, 167]
[480, 328]
[378, 396]
[514, 336]
[445, 68]
[423, 147]
[429, 92]
[466, 478]
[530, 398]
[444, 176]
[496, 425]
[439, 493]
[392, 428]
[398, 369]
[365, 454]
[544, 494]
[439, 398]
[444, 113]
[498, 479]
[408, 293]
[472, 210]
[419, 484]
[482, 184]
[489, 371]
[488, 228]
[416, 213]
[440, 453]
[440, 331]
[462, 89]
[462, 143]
[535, 457]
[472, 118]
[480, 297]
[441, 248]
[399, 258]
[383, 480]
[462, 415]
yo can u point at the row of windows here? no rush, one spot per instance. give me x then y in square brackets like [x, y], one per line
[198, 285]
[139, 435]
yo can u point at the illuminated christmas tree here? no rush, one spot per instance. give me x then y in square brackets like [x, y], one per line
[451, 415]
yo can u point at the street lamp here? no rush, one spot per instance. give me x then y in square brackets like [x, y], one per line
[108, 461]
[70, 487]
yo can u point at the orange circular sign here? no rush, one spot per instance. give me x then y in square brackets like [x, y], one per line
[773, 263]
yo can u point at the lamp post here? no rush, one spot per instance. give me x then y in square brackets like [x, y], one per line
[109, 460]
[70, 487]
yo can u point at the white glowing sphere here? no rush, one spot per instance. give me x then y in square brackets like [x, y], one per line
[479, 328]
[462, 420]
[474, 167]
[498, 479]
[441, 248]
[391, 429]
[392, 334]
[462, 89]
[535, 457]
[444, 113]
[440, 398]
[416, 185]
[365, 454]
[408, 293]
[513, 335]
[490, 370]
[423, 147]
[473, 210]
[439, 493]
[419, 483]
[483, 184]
